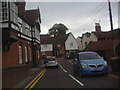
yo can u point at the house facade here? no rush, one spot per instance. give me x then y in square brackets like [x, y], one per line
[20, 35]
[105, 48]
[46, 45]
[71, 43]
[101, 42]
[58, 46]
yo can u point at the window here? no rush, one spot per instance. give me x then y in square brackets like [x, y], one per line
[85, 44]
[20, 27]
[71, 44]
[26, 54]
[20, 55]
[38, 54]
[45, 45]
[4, 11]
[58, 45]
[30, 54]
[27, 32]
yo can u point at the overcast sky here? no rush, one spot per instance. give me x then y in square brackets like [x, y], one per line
[79, 17]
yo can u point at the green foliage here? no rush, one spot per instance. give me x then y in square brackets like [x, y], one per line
[58, 29]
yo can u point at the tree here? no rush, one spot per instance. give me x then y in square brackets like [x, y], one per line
[58, 29]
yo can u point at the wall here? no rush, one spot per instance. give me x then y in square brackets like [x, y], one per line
[68, 42]
[11, 56]
[47, 53]
[79, 41]
[92, 38]
[46, 47]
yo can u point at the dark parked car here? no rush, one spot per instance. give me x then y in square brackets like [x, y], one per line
[71, 55]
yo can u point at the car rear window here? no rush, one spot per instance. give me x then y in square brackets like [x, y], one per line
[89, 56]
[50, 59]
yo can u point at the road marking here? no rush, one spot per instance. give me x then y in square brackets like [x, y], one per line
[37, 80]
[34, 79]
[62, 68]
[72, 76]
[76, 80]
[114, 76]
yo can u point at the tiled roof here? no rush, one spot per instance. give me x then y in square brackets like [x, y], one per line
[108, 34]
[46, 39]
[32, 16]
[87, 34]
[60, 39]
[102, 45]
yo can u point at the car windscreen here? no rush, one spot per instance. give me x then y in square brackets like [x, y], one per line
[88, 56]
[50, 59]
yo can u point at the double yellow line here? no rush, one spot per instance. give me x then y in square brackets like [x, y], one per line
[35, 80]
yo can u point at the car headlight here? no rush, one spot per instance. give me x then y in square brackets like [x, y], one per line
[105, 63]
[83, 65]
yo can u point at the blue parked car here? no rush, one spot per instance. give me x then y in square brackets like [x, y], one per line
[89, 63]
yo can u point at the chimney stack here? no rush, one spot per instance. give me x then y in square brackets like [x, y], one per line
[21, 7]
[97, 27]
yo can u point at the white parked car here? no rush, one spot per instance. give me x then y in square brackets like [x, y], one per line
[51, 62]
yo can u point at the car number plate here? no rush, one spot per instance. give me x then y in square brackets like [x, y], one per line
[97, 69]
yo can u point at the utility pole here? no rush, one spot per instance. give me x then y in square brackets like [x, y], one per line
[111, 24]
[110, 14]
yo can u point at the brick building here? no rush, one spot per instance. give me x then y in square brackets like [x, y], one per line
[20, 35]
[58, 46]
[101, 42]
[105, 48]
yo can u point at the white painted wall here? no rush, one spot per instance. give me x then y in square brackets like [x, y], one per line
[92, 38]
[46, 47]
[84, 40]
[71, 39]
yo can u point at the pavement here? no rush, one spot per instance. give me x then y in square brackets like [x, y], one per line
[14, 78]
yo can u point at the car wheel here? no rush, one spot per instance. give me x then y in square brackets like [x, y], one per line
[80, 74]
[57, 66]
[75, 71]
[106, 74]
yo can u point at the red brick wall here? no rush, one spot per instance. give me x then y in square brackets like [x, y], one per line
[47, 53]
[109, 55]
[11, 56]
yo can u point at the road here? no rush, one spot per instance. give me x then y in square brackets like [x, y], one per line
[63, 77]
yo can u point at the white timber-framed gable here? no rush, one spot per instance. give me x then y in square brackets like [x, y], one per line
[71, 43]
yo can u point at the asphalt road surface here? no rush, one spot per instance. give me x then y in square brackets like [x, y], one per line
[63, 77]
